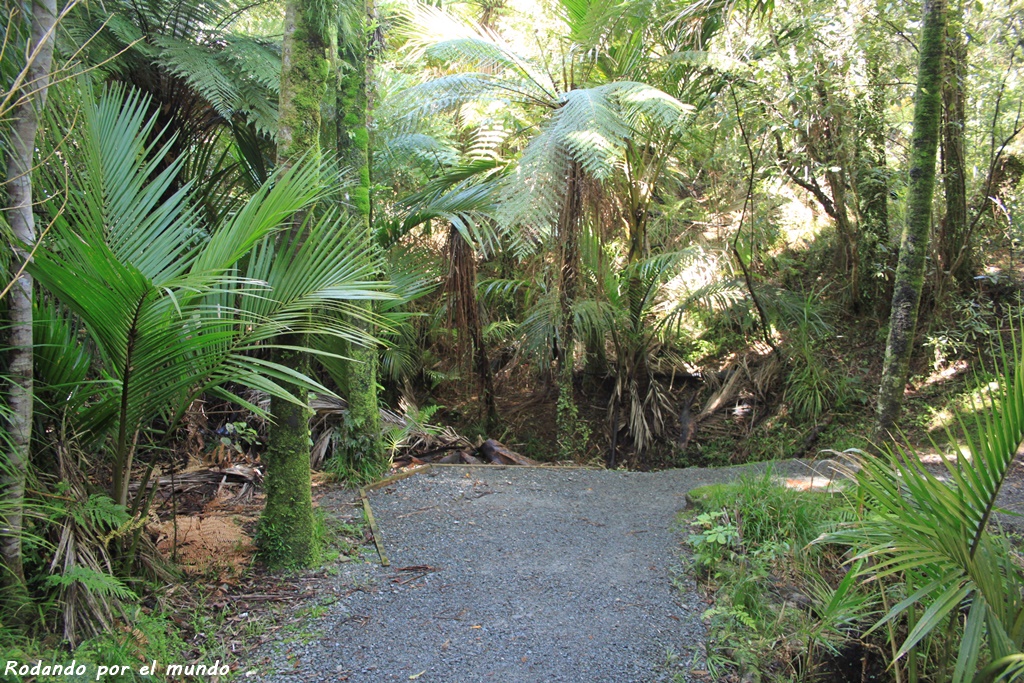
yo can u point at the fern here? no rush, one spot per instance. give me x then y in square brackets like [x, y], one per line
[236, 75]
[439, 36]
[591, 127]
[100, 511]
[100, 584]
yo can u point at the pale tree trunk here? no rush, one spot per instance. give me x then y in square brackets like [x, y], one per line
[366, 453]
[286, 526]
[906, 296]
[25, 122]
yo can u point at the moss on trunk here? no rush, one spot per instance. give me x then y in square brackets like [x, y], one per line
[286, 527]
[906, 296]
[365, 454]
[954, 239]
[286, 537]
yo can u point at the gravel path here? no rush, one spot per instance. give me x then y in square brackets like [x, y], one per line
[532, 575]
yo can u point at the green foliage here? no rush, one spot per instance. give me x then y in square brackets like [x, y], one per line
[170, 311]
[970, 324]
[933, 536]
[101, 584]
[229, 74]
[716, 539]
[149, 636]
[749, 537]
[415, 424]
[814, 384]
[573, 432]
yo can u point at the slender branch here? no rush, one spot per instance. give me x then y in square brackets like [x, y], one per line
[811, 186]
[38, 242]
[747, 200]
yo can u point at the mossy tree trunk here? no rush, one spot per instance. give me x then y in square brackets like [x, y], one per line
[906, 296]
[286, 527]
[365, 453]
[20, 153]
[954, 240]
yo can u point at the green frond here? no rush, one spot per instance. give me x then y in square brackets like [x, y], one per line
[437, 35]
[937, 529]
[172, 314]
[446, 94]
[237, 75]
[592, 127]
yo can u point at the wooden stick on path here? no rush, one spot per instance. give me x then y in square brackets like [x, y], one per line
[384, 561]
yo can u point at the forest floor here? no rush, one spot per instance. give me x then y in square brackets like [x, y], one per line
[519, 574]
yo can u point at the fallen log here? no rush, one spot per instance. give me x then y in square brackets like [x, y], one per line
[497, 453]
[236, 474]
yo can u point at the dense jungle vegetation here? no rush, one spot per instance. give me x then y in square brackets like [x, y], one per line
[298, 236]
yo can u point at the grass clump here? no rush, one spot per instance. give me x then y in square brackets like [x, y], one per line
[783, 605]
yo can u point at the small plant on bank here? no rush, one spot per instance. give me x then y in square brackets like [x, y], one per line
[781, 604]
[715, 541]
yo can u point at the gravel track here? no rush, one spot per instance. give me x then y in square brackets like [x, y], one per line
[535, 575]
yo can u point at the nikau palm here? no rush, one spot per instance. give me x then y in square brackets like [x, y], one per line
[171, 310]
[935, 533]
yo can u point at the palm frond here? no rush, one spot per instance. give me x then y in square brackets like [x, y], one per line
[172, 315]
[937, 530]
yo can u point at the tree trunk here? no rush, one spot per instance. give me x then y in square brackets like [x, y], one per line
[847, 253]
[25, 122]
[906, 296]
[464, 316]
[872, 176]
[286, 527]
[567, 417]
[366, 454]
[954, 246]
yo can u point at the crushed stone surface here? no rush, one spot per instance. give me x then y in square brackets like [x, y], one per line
[517, 574]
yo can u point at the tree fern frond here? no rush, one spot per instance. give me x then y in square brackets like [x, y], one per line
[447, 94]
[394, 150]
[438, 35]
[236, 75]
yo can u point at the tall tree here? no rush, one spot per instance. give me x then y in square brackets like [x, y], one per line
[954, 239]
[20, 153]
[286, 527]
[906, 296]
[359, 381]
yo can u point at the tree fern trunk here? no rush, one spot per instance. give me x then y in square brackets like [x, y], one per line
[906, 297]
[568, 425]
[25, 122]
[464, 316]
[366, 453]
[286, 527]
